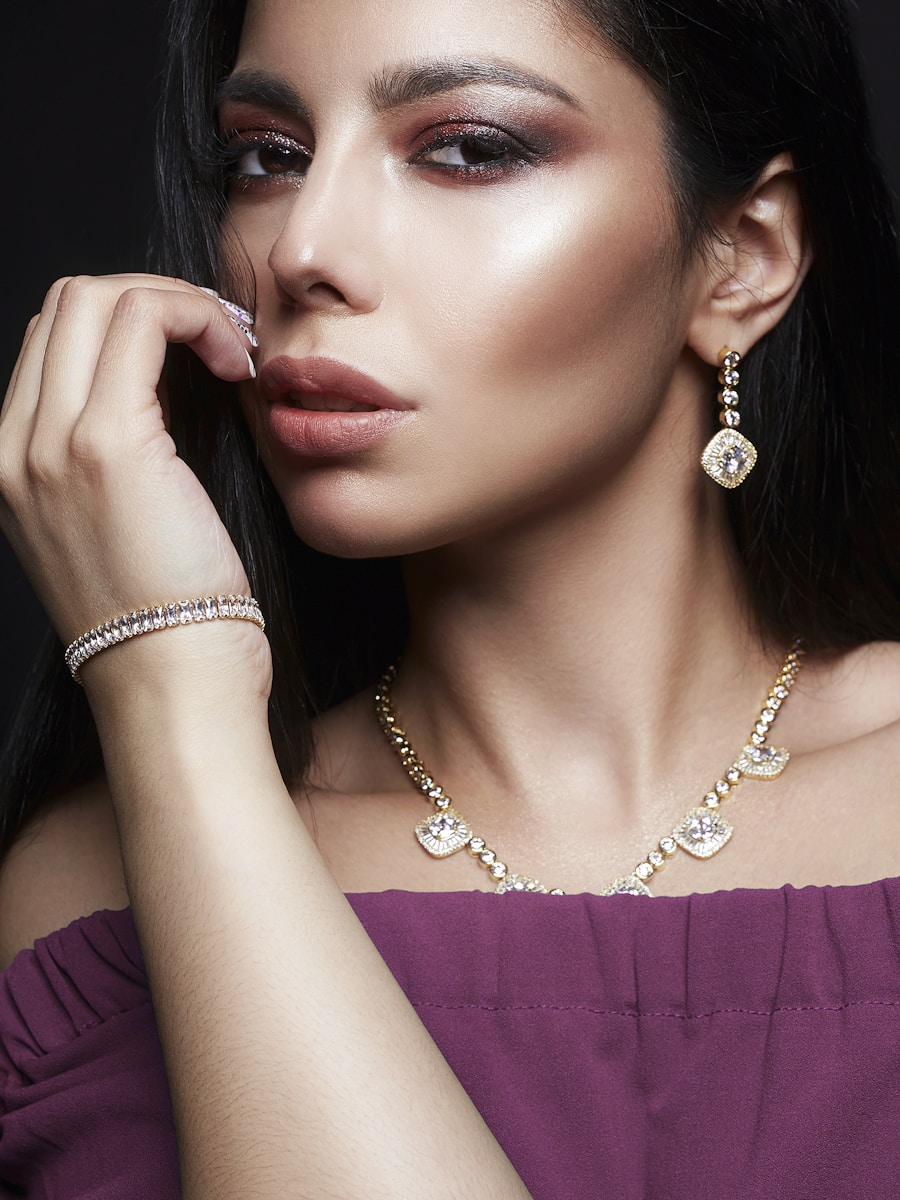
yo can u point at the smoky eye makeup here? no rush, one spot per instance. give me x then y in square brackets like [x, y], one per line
[255, 155]
[469, 146]
[466, 139]
[478, 139]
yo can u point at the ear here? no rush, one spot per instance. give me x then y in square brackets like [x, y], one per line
[755, 269]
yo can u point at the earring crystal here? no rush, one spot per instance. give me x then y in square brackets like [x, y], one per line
[729, 457]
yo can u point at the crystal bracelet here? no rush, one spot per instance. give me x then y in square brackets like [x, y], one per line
[162, 616]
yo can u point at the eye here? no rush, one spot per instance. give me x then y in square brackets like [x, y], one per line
[254, 158]
[474, 152]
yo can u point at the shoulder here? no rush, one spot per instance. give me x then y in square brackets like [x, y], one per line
[875, 669]
[852, 695]
[844, 725]
[64, 865]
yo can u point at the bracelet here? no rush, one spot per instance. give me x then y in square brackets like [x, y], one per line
[162, 616]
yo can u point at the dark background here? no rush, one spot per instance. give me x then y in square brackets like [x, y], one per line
[80, 80]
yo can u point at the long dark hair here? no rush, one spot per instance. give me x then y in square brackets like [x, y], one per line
[816, 524]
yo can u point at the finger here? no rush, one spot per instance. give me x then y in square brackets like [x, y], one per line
[143, 322]
[238, 317]
[72, 348]
[24, 387]
[29, 331]
[84, 310]
[56, 367]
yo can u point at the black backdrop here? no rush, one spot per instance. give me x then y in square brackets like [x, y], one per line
[80, 81]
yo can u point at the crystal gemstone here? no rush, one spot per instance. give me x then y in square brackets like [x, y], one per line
[763, 762]
[733, 459]
[729, 458]
[702, 828]
[519, 883]
[629, 886]
[442, 827]
[703, 832]
[442, 833]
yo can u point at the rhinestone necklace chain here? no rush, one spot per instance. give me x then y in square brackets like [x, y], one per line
[702, 832]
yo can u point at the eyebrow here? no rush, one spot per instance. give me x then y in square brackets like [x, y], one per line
[392, 89]
[408, 84]
[258, 87]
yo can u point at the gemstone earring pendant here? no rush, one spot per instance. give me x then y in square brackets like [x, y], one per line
[729, 457]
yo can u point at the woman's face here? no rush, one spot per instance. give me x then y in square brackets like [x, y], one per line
[469, 204]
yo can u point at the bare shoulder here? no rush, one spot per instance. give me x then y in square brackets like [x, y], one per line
[875, 667]
[850, 695]
[350, 755]
[873, 675]
[65, 865]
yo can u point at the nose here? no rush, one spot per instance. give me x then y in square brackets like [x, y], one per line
[326, 254]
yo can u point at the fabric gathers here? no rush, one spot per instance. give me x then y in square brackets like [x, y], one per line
[742, 1044]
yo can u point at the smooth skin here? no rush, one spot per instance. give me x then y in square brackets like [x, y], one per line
[582, 663]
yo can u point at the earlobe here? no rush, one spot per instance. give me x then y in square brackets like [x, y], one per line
[757, 266]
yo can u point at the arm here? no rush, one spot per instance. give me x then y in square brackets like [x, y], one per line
[296, 1065]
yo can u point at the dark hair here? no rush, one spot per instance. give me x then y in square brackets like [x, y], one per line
[815, 526]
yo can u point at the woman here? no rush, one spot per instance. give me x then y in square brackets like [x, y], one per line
[481, 268]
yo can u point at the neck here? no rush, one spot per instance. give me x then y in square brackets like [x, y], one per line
[606, 650]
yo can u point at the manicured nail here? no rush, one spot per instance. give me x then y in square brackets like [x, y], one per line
[240, 313]
[248, 333]
[251, 365]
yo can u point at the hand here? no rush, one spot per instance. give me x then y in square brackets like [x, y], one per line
[93, 498]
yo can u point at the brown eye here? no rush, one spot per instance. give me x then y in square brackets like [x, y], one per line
[474, 153]
[471, 150]
[267, 159]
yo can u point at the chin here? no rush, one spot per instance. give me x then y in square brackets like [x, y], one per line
[363, 532]
[349, 509]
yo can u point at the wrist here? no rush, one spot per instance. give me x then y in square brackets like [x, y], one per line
[193, 671]
[183, 729]
[158, 619]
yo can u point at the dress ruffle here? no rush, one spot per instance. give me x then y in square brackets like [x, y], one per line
[743, 1043]
[83, 1094]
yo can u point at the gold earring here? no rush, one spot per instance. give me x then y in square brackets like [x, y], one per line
[729, 457]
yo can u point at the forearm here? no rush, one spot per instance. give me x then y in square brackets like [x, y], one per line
[296, 1064]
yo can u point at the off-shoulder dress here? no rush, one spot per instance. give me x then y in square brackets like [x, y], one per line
[739, 1044]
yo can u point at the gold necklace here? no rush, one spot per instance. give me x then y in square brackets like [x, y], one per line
[702, 832]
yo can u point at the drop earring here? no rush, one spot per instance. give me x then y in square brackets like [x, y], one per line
[729, 457]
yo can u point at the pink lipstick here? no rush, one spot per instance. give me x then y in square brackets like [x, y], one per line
[319, 407]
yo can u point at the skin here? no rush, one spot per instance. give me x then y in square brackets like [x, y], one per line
[582, 655]
[565, 254]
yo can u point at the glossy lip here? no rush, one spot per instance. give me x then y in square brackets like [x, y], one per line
[325, 434]
[281, 377]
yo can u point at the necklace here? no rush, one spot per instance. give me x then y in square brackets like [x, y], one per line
[702, 832]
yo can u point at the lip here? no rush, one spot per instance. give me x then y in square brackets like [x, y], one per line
[318, 433]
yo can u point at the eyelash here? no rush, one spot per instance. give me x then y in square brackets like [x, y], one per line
[240, 145]
[510, 154]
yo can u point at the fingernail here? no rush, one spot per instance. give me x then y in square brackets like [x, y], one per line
[251, 365]
[240, 313]
[248, 333]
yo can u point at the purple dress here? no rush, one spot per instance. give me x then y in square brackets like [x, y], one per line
[734, 1045]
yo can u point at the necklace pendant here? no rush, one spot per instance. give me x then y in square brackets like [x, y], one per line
[703, 832]
[628, 885]
[520, 883]
[762, 762]
[443, 833]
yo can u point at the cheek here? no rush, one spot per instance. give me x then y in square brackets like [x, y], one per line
[529, 323]
[549, 303]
